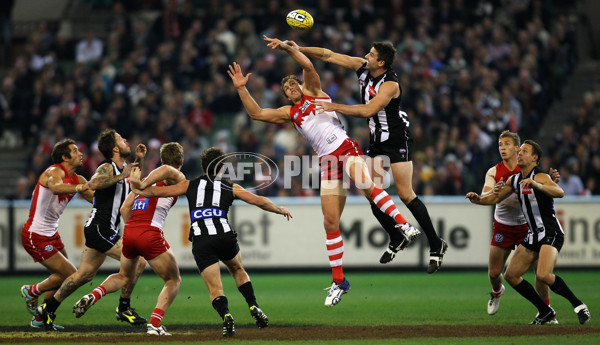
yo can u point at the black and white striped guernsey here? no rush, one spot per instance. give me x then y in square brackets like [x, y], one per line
[538, 209]
[108, 201]
[209, 200]
[390, 120]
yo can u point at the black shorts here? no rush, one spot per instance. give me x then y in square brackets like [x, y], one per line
[209, 249]
[556, 240]
[398, 148]
[101, 238]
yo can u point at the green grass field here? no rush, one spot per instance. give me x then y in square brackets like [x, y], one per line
[376, 299]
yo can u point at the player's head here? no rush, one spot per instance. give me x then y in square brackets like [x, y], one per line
[212, 161]
[62, 150]
[108, 140]
[382, 52]
[171, 154]
[531, 152]
[508, 144]
[291, 86]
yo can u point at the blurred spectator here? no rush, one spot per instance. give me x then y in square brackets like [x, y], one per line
[89, 49]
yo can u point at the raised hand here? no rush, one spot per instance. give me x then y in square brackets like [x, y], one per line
[235, 73]
[554, 175]
[140, 151]
[275, 43]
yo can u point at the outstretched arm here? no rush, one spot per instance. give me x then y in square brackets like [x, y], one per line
[491, 198]
[260, 201]
[166, 191]
[387, 91]
[327, 55]
[164, 172]
[312, 81]
[280, 115]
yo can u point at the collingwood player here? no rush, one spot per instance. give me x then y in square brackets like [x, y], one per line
[380, 93]
[213, 239]
[101, 230]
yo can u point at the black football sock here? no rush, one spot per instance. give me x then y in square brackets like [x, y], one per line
[221, 306]
[247, 291]
[388, 224]
[526, 290]
[51, 305]
[560, 288]
[419, 211]
[124, 304]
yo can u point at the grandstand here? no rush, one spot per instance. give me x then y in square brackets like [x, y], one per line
[155, 71]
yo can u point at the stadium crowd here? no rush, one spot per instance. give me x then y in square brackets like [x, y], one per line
[469, 69]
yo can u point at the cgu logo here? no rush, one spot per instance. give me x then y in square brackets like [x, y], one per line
[297, 16]
[207, 213]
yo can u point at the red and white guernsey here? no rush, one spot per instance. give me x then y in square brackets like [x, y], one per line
[324, 131]
[508, 211]
[46, 208]
[149, 213]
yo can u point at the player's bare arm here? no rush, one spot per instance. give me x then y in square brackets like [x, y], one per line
[164, 191]
[127, 206]
[104, 176]
[326, 55]
[260, 201]
[490, 181]
[87, 194]
[163, 173]
[491, 198]
[280, 115]
[544, 184]
[54, 178]
[387, 91]
[312, 81]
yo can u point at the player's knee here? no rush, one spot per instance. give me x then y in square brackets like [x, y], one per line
[547, 278]
[494, 273]
[511, 279]
[85, 277]
[331, 224]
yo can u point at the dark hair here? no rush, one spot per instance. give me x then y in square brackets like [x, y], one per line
[385, 52]
[107, 142]
[289, 77]
[171, 154]
[514, 136]
[61, 149]
[212, 160]
[537, 149]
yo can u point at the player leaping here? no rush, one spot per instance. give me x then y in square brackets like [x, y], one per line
[337, 153]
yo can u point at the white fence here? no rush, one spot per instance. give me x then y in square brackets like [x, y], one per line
[269, 241]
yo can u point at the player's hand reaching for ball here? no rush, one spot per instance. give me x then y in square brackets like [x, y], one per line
[235, 72]
[473, 197]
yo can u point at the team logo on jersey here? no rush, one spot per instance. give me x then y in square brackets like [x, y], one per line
[305, 106]
[372, 91]
[49, 248]
[140, 204]
[498, 238]
[207, 213]
[527, 190]
[331, 139]
[295, 116]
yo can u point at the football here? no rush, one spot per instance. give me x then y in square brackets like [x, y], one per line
[300, 20]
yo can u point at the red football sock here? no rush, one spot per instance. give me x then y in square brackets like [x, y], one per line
[34, 290]
[98, 293]
[157, 316]
[335, 251]
[384, 202]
